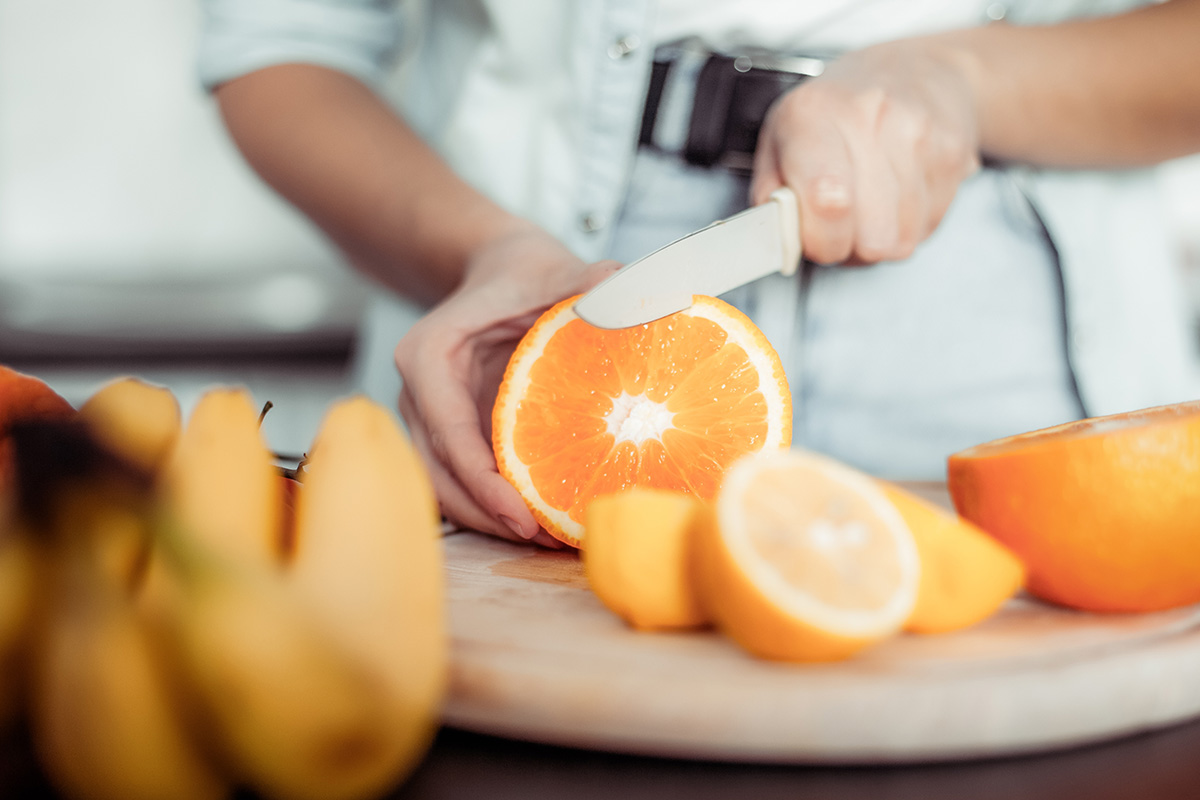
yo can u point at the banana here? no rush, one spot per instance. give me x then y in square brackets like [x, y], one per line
[291, 711]
[285, 711]
[221, 482]
[104, 715]
[140, 422]
[135, 418]
[18, 575]
[368, 564]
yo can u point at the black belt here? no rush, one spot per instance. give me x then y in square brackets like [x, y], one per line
[731, 99]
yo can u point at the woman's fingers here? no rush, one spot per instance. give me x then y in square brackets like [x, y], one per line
[438, 401]
[875, 150]
[812, 157]
[451, 363]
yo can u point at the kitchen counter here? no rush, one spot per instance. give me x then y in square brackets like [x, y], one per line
[461, 764]
[1159, 765]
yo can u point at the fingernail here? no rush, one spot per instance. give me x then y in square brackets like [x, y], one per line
[514, 527]
[832, 194]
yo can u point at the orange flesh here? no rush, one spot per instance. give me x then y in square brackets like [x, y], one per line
[1084, 428]
[841, 557]
[666, 362]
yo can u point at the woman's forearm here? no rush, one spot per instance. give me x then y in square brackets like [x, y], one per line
[1112, 91]
[333, 149]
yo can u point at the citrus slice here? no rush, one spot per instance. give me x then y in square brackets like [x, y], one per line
[637, 557]
[805, 559]
[583, 412]
[966, 575]
[1101, 511]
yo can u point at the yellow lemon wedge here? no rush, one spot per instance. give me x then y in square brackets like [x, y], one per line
[966, 575]
[637, 555]
[805, 559]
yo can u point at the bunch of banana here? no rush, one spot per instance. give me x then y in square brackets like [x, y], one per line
[188, 638]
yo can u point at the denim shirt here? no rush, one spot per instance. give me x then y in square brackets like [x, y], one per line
[538, 105]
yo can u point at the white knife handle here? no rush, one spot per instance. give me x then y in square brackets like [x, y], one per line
[789, 228]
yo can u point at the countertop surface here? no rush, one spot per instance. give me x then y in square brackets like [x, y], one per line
[1150, 766]
[1162, 764]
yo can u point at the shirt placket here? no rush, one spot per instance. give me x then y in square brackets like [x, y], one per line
[613, 44]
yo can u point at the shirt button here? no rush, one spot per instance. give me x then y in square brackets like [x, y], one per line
[590, 223]
[996, 11]
[623, 47]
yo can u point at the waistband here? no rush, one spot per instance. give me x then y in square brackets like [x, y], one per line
[708, 108]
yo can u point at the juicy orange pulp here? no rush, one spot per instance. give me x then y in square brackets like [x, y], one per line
[584, 412]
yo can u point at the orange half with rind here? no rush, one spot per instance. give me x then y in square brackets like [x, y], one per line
[583, 411]
[1102, 511]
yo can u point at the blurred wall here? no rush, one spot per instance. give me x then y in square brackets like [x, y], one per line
[127, 219]
[129, 222]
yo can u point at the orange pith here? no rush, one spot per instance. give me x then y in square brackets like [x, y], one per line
[1102, 512]
[584, 412]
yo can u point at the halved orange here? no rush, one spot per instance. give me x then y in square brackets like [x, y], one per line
[584, 412]
[1104, 512]
[804, 559]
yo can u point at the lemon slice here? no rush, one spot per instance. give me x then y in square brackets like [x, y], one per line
[805, 559]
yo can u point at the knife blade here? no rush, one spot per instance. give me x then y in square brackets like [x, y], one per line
[757, 242]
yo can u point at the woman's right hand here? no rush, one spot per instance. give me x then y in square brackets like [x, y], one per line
[452, 361]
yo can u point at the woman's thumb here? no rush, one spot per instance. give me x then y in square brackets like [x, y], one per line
[597, 271]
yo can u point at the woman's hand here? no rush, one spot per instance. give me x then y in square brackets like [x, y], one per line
[875, 149]
[452, 361]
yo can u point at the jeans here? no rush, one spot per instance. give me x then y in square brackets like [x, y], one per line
[895, 366]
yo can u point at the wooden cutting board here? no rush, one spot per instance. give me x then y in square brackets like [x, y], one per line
[536, 656]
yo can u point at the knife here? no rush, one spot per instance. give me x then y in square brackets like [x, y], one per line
[757, 242]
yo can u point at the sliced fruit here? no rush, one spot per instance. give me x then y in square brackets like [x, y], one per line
[637, 557]
[584, 412]
[965, 574]
[1102, 511]
[805, 559]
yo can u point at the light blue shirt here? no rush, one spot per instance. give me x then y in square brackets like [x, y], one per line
[538, 105]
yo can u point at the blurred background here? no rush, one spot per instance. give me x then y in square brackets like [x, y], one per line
[133, 238]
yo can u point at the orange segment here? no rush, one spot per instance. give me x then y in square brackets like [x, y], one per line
[638, 555]
[804, 559]
[584, 411]
[1101, 511]
[965, 574]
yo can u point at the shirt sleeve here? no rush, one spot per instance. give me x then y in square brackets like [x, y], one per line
[237, 37]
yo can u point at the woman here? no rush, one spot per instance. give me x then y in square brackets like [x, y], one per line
[984, 251]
